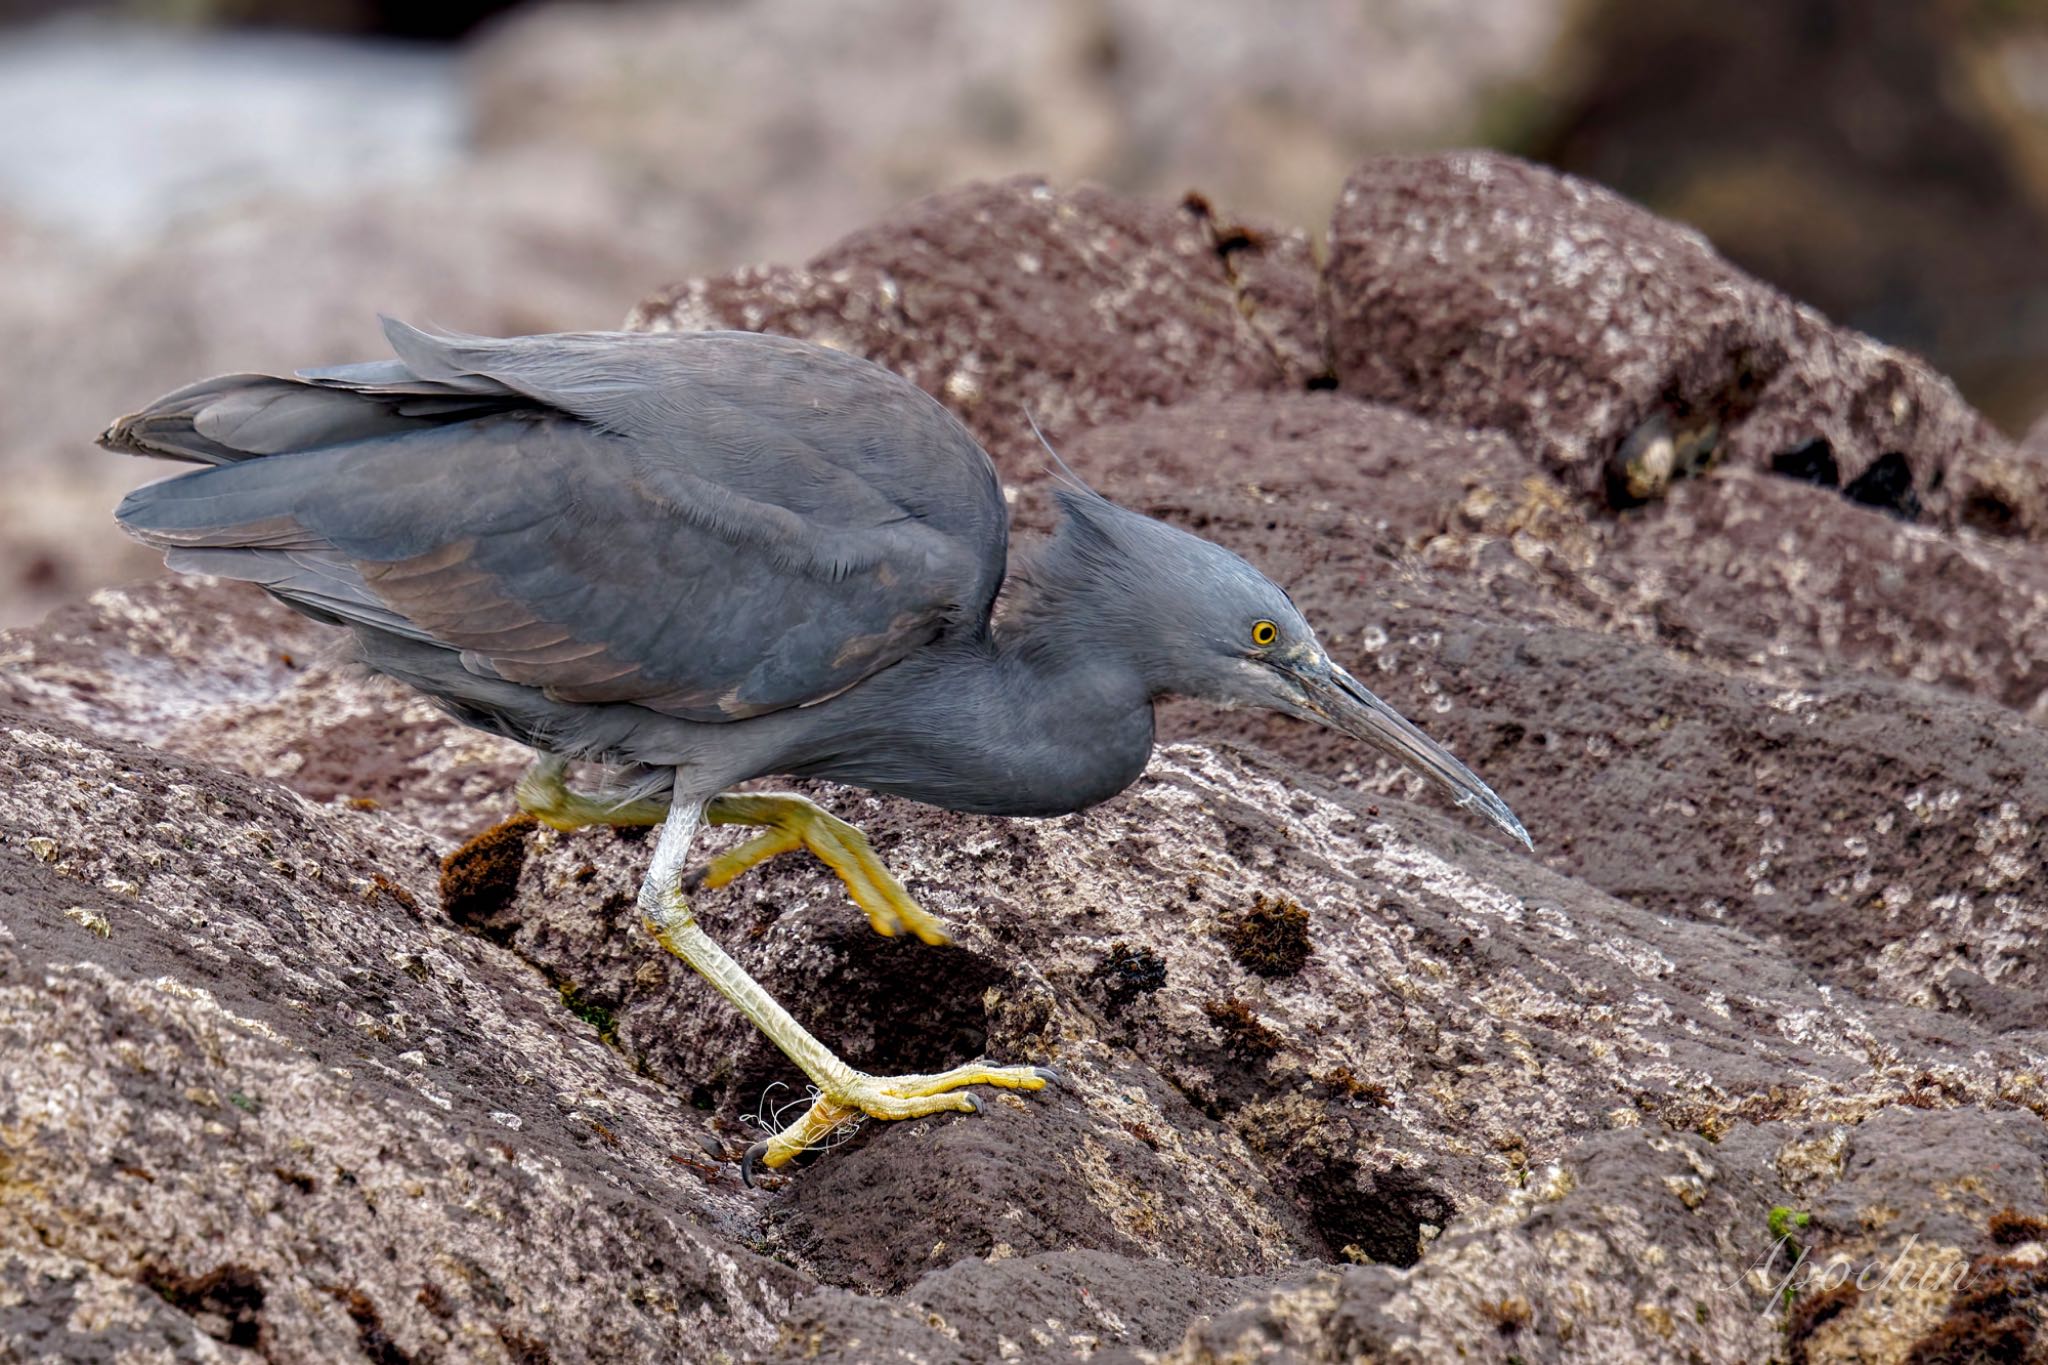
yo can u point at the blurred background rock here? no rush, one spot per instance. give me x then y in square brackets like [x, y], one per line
[194, 186]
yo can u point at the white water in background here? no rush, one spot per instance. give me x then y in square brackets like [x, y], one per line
[113, 131]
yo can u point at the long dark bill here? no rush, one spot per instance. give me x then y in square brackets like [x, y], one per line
[1343, 703]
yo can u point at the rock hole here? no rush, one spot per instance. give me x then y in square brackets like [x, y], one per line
[886, 1005]
[1990, 514]
[1813, 463]
[1886, 485]
[226, 1302]
[1379, 1218]
[376, 1343]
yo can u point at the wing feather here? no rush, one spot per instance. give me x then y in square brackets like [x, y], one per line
[711, 525]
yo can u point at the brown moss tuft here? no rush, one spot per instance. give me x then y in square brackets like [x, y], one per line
[435, 1300]
[479, 879]
[381, 885]
[1510, 1314]
[1271, 938]
[523, 1349]
[1996, 1315]
[2010, 1227]
[1344, 1082]
[1809, 1313]
[1244, 1033]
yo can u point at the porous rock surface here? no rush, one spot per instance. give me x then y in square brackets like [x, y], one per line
[1346, 1076]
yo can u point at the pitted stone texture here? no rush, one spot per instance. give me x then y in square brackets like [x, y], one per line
[1464, 1019]
[1718, 705]
[261, 1095]
[1492, 293]
[1079, 306]
[1640, 1246]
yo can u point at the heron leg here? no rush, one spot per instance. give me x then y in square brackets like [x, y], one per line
[544, 793]
[843, 1092]
[793, 822]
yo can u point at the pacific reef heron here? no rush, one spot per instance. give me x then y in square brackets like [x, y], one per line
[702, 558]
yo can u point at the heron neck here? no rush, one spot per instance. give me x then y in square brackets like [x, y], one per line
[1065, 624]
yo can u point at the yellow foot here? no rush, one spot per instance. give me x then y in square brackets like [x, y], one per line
[545, 794]
[889, 1097]
[793, 822]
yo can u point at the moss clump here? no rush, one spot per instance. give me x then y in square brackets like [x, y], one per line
[480, 879]
[1344, 1082]
[1783, 1222]
[1244, 1033]
[1510, 1313]
[590, 1012]
[381, 885]
[1271, 938]
[1996, 1315]
[1125, 973]
[2010, 1228]
[1807, 1316]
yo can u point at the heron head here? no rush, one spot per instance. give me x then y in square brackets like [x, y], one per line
[1204, 623]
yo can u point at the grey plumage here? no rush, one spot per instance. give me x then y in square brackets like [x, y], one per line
[727, 555]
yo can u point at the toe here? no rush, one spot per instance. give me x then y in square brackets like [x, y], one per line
[748, 1163]
[1050, 1075]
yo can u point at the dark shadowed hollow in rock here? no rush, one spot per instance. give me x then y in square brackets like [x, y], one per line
[1349, 1077]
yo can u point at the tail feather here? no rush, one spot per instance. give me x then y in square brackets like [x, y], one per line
[168, 428]
[244, 503]
[270, 443]
[240, 416]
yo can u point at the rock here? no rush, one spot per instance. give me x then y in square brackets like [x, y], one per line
[1920, 228]
[1102, 307]
[282, 1102]
[1490, 293]
[1574, 1235]
[1345, 1075]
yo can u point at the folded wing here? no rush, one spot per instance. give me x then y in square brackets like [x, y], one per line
[711, 525]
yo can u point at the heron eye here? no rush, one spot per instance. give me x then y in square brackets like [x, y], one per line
[1264, 633]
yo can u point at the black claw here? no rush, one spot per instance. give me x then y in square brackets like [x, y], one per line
[1051, 1076]
[692, 880]
[747, 1162]
[973, 1103]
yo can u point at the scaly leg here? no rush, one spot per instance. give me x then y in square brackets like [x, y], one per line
[842, 1091]
[795, 822]
[545, 794]
[792, 822]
